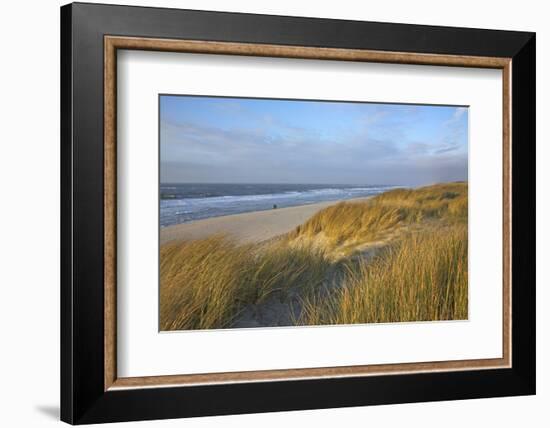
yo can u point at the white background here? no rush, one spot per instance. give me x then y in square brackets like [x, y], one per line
[29, 229]
[142, 351]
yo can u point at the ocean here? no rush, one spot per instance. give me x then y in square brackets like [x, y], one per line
[186, 202]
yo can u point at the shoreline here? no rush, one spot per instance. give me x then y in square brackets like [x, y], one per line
[251, 227]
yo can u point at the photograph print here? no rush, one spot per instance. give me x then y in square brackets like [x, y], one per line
[289, 213]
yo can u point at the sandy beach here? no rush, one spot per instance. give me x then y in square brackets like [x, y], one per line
[247, 227]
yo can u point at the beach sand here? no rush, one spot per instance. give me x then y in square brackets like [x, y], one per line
[250, 227]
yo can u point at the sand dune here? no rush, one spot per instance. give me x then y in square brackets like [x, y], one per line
[248, 227]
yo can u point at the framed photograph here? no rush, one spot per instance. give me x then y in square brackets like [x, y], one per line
[266, 213]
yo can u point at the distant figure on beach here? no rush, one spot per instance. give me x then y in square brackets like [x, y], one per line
[274, 206]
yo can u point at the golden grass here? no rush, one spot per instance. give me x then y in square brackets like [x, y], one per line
[424, 277]
[205, 283]
[347, 224]
[420, 274]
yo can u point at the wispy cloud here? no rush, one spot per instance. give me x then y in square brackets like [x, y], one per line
[239, 140]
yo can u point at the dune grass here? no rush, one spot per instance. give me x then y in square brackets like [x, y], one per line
[341, 227]
[205, 283]
[424, 277]
[419, 271]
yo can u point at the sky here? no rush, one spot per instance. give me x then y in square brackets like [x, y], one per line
[240, 140]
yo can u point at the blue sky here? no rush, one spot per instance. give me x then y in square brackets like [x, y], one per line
[239, 140]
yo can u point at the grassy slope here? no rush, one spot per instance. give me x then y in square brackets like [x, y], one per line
[424, 277]
[344, 227]
[419, 274]
[204, 283]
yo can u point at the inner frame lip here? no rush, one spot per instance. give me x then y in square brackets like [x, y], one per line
[113, 43]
